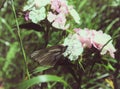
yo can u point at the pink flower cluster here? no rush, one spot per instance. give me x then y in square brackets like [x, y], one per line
[98, 39]
[60, 6]
[59, 13]
[56, 14]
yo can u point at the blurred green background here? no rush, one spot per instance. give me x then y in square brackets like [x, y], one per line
[95, 14]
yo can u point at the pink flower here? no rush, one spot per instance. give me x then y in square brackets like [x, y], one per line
[58, 21]
[96, 38]
[64, 7]
[99, 41]
[85, 37]
[55, 5]
[59, 6]
[27, 16]
[58, 16]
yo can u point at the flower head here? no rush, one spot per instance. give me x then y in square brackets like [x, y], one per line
[58, 21]
[103, 40]
[35, 4]
[37, 10]
[60, 6]
[84, 37]
[98, 39]
[37, 15]
[56, 13]
[74, 49]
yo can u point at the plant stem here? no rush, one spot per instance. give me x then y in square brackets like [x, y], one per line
[20, 40]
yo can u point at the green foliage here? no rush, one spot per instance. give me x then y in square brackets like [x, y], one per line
[41, 79]
[17, 44]
[40, 69]
[10, 56]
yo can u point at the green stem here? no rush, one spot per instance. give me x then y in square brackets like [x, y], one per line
[20, 40]
[109, 41]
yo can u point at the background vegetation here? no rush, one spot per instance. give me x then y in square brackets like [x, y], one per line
[16, 47]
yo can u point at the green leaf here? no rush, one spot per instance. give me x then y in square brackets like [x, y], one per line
[75, 15]
[10, 55]
[8, 27]
[111, 25]
[41, 79]
[41, 68]
[83, 2]
[110, 67]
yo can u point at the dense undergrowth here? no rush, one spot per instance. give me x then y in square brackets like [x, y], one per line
[17, 43]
